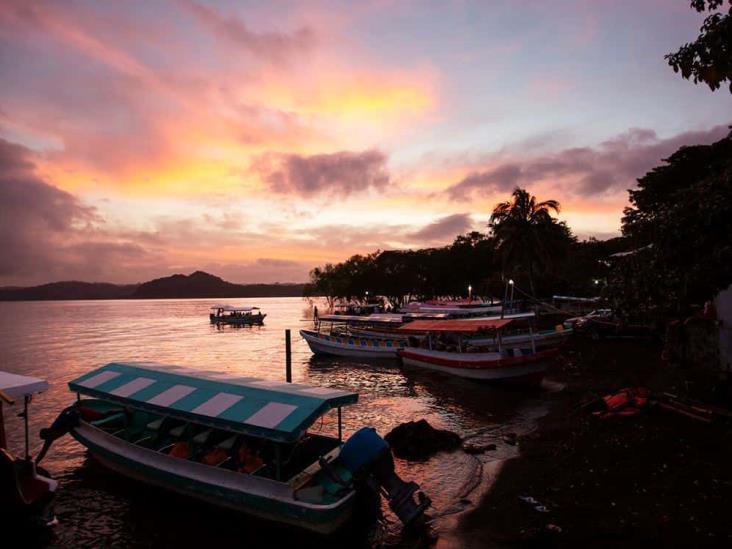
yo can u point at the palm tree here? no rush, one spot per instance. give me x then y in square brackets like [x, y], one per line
[527, 235]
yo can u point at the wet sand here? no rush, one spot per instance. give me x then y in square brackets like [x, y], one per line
[657, 479]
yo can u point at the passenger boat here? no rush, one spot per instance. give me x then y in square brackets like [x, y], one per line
[356, 336]
[229, 314]
[26, 491]
[446, 350]
[237, 442]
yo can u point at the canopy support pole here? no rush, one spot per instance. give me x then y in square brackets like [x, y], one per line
[533, 339]
[278, 459]
[26, 398]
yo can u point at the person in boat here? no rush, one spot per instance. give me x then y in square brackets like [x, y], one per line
[62, 425]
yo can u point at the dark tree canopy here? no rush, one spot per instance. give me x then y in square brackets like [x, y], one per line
[709, 58]
[529, 238]
[681, 223]
[559, 262]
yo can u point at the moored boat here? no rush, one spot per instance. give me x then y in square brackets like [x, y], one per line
[353, 345]
[370, 336]
[26, 491]
[236, 315]
[447, 350]
[237, 442]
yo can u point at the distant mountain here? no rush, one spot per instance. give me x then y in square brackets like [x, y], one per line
[198, 284]
[71, 289]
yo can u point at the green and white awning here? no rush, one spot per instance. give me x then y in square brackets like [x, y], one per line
[269, 409]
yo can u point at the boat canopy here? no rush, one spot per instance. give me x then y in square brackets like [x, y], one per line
[233, 309]
[456, 326]
[15, 385]
[275, 410]
[455, 311]
[371, 319]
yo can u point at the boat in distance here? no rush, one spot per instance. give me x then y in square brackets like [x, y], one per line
[237, 442]
[236, 315]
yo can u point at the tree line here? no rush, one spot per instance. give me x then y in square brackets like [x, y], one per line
[524, 243]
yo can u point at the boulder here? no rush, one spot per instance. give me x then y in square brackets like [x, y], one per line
[418, 440]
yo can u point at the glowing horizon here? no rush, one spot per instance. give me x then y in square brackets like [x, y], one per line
[257, 142]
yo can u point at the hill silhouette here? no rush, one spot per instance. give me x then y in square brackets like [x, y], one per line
[196, 285]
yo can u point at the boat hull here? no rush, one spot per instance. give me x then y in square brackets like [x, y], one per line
[358, 347]
[256, 496]
[490, 367]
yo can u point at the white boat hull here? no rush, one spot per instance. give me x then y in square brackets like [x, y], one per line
[358, 347]
[481, 366]
[257, 496]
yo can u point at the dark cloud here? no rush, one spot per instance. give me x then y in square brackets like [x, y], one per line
[48, 234]
[342, 173]
[611, 167]
[443, 230]
[274, 46]
[32, 213]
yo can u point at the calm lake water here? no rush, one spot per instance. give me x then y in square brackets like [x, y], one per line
[61, 340]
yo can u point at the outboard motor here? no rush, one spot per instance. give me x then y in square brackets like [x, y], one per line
[368, 457]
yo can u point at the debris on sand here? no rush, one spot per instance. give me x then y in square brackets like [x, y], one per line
[478, 448]
[418, 440]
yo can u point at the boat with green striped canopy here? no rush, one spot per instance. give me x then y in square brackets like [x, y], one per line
[236, 441]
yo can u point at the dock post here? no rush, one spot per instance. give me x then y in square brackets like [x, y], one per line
[288, 357]
[340, 425]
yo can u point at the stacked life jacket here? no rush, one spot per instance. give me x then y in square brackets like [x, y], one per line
[626, 402]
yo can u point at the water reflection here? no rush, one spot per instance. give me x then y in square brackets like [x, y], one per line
[61, 340]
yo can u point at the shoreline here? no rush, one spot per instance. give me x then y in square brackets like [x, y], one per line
[656, 478]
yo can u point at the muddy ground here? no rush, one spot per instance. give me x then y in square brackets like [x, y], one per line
[656, 479]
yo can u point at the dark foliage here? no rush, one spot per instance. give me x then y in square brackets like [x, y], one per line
[526, 244]
[529, 239]
[709, 58]
[680, 222]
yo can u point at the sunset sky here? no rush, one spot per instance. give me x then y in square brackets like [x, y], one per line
[256, 140]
